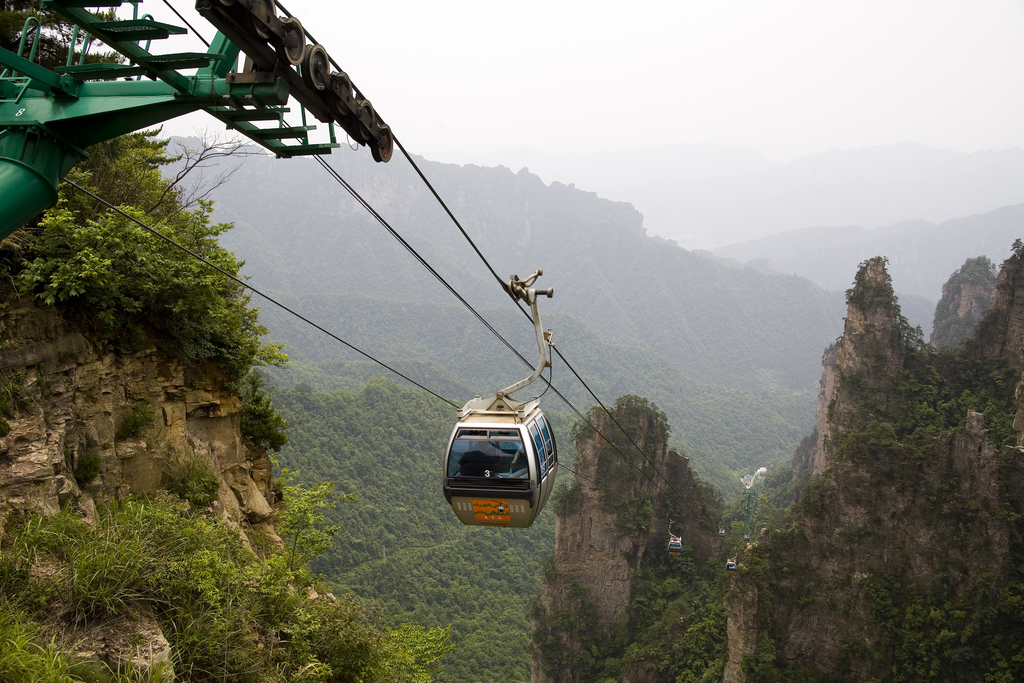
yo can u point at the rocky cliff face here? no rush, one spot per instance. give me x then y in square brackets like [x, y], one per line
[910, 532]
[126, 422]
[613, 518]
[966, 297]
[1001, 333]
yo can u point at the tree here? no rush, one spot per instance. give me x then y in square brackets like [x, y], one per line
[261, 423]
[302, 523]
[54, 38]
[113, 276]
[413, 652]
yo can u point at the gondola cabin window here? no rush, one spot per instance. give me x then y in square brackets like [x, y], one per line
[488, 453]
[549, 444]
[540, 448]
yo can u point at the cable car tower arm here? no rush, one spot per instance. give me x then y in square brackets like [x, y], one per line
[520, 290]
[49, 117]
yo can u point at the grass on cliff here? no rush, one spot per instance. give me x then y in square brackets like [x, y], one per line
[227, 612]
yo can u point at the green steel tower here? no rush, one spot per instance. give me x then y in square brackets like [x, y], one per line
[49, 117]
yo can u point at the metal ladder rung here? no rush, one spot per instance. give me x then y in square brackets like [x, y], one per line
[181, 60]
[82, 4]
[137, 29]
[267, 114]
[278, 133]
[305, 150]
[86, 72]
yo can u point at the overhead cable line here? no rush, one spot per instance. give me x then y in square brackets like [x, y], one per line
[194, 31]
[394, 233]
[465, 234]
[298, 315]
[401, 240]
[448, 211]
[252, 289]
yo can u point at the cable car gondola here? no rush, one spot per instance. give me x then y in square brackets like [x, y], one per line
[501, 460]
[675, 543]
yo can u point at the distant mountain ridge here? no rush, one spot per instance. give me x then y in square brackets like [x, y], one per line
[921, 254]
[707, 196]
[299, 233]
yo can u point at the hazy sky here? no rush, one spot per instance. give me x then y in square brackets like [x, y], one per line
[787, 78]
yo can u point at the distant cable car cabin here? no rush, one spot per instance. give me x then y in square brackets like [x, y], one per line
[730, 565]
[675, 543]
[721, 533]
[501, 459]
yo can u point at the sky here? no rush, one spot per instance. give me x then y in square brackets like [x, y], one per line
[786, 78]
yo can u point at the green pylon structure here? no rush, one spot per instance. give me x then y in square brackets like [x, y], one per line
[49, 117]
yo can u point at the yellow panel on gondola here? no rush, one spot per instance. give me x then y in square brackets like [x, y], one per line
[492, 512]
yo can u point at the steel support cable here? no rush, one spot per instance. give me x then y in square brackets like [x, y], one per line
[194, 31]
[401, 240]
[300, 316]
[449, 212]
[560, 355]
[394, 233]
[254, 290]
[637, 447]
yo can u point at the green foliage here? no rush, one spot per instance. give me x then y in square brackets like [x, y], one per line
[193, 481]
[110, 274]
[414, 651]
[25, 656]
[141, 415]
[226, 612]
[87, 467]
[262, 425]
[567, 498]
[12, 399]
[303, 523]
[932, 635]
[760, 666]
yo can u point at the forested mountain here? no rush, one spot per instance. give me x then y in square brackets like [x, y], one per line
[299, 233]
[901, 560]
[399, 542]
[921, 254]
[632, 314]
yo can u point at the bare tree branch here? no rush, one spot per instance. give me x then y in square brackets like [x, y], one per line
[196, 163]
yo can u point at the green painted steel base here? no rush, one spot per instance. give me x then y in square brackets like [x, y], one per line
[31, 164]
